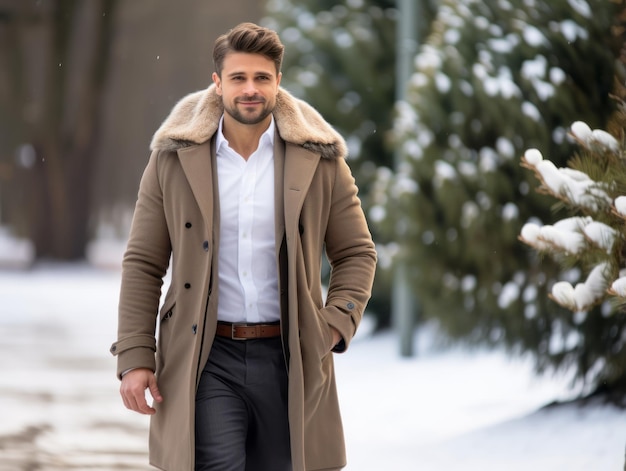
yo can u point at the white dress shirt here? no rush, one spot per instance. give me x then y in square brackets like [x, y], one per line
[248, 273]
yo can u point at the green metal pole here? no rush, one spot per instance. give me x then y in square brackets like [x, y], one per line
[402, 305]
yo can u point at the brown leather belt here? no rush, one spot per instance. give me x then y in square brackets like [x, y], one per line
[247, 331]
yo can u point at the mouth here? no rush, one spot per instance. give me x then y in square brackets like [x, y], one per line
[251, 101]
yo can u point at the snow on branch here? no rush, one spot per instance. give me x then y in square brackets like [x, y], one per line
[598, 139]
[584, 295]
[598, 238]
[565, 236]
[567, 184]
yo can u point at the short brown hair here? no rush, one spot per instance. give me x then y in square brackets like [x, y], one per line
[249, 38]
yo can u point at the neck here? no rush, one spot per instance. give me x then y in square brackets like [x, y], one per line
[244, 138]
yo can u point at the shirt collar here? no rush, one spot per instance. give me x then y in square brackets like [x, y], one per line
[266, 137]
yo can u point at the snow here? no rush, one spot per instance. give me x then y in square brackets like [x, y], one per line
[509, 294]
[488, 160]
[581, 7]
[15, 252]
[531, 111]
[533, 36]
[443, 171]
[501, 45]
[601, 234]
[605, 140]
[533, 156]
[582, 296]
[554, 237]
[502, 84]
[438, 410]
[505, 147]
[442, 82]
[599, 137]
[535, 68]
[620, 205]
[619, 287]
[581, 130]
[573, 185]
[510, 211]
[451, 36]
[469, 214]
[557, 76]
[572, 31]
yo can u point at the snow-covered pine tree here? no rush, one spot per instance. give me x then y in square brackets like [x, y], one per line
[493, 79]
[591, 239]
[591, 243]
[340, 57]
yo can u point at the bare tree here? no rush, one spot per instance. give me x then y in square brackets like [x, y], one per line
[54, 56]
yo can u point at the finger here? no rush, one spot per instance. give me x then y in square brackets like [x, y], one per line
[138, 401]
[125, 399]
[154, 390]
[134, 398]
[139, 404]
[143, 407]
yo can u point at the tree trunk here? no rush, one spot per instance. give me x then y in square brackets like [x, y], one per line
[76, 38]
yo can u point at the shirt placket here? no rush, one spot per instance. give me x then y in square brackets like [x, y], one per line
[246, 222]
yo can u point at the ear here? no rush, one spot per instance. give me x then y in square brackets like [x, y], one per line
[217, 82]
[280, 76]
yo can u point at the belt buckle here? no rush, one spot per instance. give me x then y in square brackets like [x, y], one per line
[232, 332]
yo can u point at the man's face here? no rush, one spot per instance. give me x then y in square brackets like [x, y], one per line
[248, 86]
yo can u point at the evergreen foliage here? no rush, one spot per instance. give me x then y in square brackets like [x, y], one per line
[591, 239]
[493, 79]
[340, 57]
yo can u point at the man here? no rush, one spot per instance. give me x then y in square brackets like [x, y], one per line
[245, 188]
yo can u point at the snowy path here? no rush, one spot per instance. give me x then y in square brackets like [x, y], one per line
[60, 410]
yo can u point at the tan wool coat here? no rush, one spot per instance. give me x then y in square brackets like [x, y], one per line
[177, 218]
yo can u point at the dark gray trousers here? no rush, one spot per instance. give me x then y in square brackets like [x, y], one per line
[241, 408]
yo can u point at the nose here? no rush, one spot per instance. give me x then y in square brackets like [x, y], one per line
[249, 88]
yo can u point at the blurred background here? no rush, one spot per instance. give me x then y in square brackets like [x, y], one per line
[438, 101]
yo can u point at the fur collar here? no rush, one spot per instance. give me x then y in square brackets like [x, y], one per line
[195, 118]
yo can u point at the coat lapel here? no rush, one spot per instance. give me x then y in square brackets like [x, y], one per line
[196, 162]
[300, 165]
[279, 192]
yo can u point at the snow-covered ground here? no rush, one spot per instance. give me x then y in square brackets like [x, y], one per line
[440, 410]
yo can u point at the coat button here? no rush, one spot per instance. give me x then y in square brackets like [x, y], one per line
[187, 285]
[350, 305]
[113, 348]
[205, 245]
[187, 225]
[194, 328]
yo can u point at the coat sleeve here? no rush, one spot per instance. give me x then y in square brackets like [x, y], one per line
[144, 265]
[351, 255]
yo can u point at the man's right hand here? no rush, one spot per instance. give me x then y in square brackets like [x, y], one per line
[133, 390]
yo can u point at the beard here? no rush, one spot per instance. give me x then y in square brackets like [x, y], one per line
[248, 115]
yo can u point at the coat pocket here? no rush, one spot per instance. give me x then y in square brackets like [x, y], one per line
[323, 336]
[164, 333]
